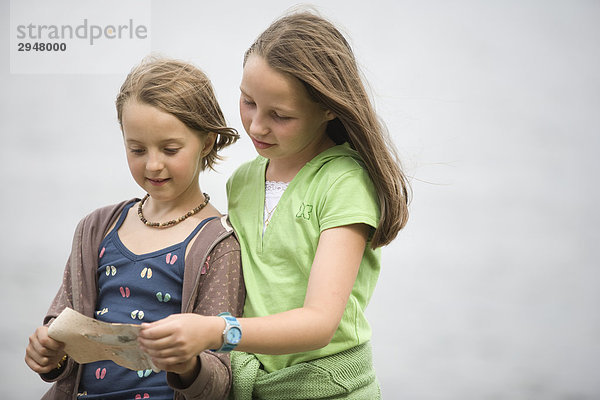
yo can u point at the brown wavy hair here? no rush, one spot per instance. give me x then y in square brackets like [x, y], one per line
[311, 49]
[182, 90]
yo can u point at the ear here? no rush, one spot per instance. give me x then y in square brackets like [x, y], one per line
[329, 115]
[209, 143]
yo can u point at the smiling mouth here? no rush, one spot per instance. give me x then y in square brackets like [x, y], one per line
[157, 182]
[261, 145]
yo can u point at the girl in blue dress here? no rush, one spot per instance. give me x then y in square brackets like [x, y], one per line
[167, 257]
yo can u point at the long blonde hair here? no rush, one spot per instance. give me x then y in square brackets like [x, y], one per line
[182, 90]
[311, 49]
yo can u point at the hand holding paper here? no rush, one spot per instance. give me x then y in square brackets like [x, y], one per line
[43, 353]
[88, 340]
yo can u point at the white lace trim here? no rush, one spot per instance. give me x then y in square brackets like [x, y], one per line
[273, 192]
[275, 188]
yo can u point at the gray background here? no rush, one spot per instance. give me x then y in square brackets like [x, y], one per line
[490, 291]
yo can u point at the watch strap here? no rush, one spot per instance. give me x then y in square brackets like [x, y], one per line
[230, 322]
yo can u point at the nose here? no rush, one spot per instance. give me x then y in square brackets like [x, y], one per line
[258, 125]
[155, 161]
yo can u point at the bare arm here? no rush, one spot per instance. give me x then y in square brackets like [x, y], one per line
[312, 326]
[335, 266]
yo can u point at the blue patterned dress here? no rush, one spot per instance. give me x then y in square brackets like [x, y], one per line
[133, 289]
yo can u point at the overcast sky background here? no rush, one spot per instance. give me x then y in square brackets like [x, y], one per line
[491, 291]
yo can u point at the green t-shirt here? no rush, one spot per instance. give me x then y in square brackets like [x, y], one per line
[333, 189]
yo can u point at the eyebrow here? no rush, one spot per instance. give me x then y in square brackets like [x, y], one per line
[276, 108]
[166, 141]
[243, 92]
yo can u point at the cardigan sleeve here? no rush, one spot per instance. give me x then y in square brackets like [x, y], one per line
[221, 288]
[63, 299]
[78, 287]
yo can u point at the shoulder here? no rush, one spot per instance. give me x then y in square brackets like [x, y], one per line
[216, 234]
[228, 245]
[338, 160]
[343, 165]
[342, 171]
[103, 217]
[247, 169]
[344, 191]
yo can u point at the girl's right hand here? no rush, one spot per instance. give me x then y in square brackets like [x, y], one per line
[43, 353]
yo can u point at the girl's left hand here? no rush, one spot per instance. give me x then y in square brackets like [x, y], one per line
[174, 342]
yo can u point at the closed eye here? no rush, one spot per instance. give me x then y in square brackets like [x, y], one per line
[280, 117]
[245, 99]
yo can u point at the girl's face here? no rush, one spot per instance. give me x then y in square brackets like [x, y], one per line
[285, 125]
[163, 154]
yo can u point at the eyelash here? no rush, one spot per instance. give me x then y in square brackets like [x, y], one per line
[280, 117]
[273, 114]
[142, 151]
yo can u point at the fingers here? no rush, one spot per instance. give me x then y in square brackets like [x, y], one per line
[177, 330]
[168, 357]
[160, 346]
[43, 353]
[168, 348]
[160, 335]
[170, 324]
[169, 342]
[164, 327]
[157, 330]
[39, 364]
[174, 342]
[45, 341]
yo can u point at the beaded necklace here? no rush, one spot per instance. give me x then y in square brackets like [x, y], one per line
[173, 221]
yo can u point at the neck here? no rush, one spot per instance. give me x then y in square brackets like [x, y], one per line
[284, 170]
[166, 209]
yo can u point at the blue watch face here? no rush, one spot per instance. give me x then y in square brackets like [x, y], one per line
[234, 335]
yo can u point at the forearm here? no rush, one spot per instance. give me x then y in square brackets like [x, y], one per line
[293, 331]
[313, 325]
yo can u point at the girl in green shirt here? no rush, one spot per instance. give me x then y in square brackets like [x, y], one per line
[311, 213]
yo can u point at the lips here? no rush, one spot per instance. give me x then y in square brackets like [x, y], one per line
[157, 181]
[261, 145]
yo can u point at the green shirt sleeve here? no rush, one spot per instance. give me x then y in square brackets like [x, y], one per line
[351, 199]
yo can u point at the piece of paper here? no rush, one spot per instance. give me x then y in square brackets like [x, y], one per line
[88, 340]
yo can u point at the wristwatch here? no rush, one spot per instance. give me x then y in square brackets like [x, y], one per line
[232, 333]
